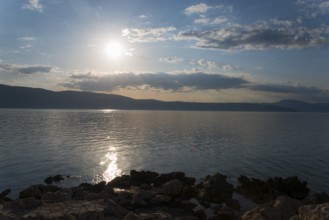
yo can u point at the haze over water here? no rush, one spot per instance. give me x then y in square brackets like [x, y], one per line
[100, 144]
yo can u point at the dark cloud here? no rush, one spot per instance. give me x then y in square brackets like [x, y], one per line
[34, 69]
[300, 92]
[164, 81]
[25, 69]
[259, 36]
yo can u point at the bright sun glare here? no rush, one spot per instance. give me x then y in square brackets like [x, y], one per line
[114, 50]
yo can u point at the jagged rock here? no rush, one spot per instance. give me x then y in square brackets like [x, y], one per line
[58, 178]
[4, 194]
[313, 212]
[317, 198]
[78, 209]
[290, 186]
[123, 198]
[22, 204]
[149, 216]
[36, 191]
[188, 205]
[122, 182]
[7, 215]
[282, 208]
[172, 188]
[218, 189]
[142, 198]
[99, 187]
[234, 204]
[164, 178]
[202, 195]
[200, 214]
[143, 177]
[226, 213]
[114, 209]
[160, 200]
[48, 180]
[260, 191]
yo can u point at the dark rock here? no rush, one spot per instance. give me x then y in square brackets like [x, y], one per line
[160, 200]
[200, 214]
[22, 204]
[202, 195]
[218, 189]
[99, 187]
[187, 192]
[123, 198]
[142, 198]
[290, 186]
[48, 180]
[313, 212]
[122, 182]
[114, 209]
[145, 186]
[316, 198]
[226, 213]
[143, 177]
[171, 188]
[187, 205]
[282, 208]
[58, 178]
[36, 191]
[164, 178]
[234, 204]
[4, 194]
[260, 191]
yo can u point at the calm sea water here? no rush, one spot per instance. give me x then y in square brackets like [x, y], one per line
[100, 144]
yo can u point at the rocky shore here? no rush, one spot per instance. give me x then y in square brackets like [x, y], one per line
[149, 195]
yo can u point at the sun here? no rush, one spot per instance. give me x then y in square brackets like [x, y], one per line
[114, 50]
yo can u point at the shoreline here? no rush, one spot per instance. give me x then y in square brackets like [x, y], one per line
[150, 195]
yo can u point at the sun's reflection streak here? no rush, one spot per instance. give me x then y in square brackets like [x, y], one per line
[111, 160]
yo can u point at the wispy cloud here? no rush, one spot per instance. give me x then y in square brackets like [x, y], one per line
[162, 81]
[172, 60]
[25, 69]
[211, 21]
[33, 5]
[259, 36]
[314, 8]
[197, 9]
[27, 38]
[203, 8]
[148, 34]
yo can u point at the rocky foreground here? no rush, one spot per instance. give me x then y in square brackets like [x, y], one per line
[148, 195]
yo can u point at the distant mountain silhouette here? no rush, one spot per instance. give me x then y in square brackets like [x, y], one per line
[303, 106]
[24, 97]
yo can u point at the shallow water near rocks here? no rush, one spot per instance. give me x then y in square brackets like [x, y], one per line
[95, 145]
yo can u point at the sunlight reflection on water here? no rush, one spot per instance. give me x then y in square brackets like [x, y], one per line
[111, 161]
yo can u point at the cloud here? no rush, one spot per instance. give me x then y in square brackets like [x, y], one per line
[24, 69]
[162, 81]
[258, 36]
[314, 8]
[148, 34]
[301, 92]
[290, 89]
[209, 21]
[197, 9]
[172, 60]
[27, 38]
[33, 5]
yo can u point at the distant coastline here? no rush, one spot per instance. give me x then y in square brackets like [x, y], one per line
[25, 97]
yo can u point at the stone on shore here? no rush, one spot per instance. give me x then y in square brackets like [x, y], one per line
[313, 212]
[282, 208]
[263, 191]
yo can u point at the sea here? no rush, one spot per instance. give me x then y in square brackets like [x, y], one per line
[97, 145]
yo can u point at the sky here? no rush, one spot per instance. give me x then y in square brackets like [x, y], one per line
[185, 50]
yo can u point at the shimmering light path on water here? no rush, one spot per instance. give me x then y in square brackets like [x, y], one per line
[97, 145]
